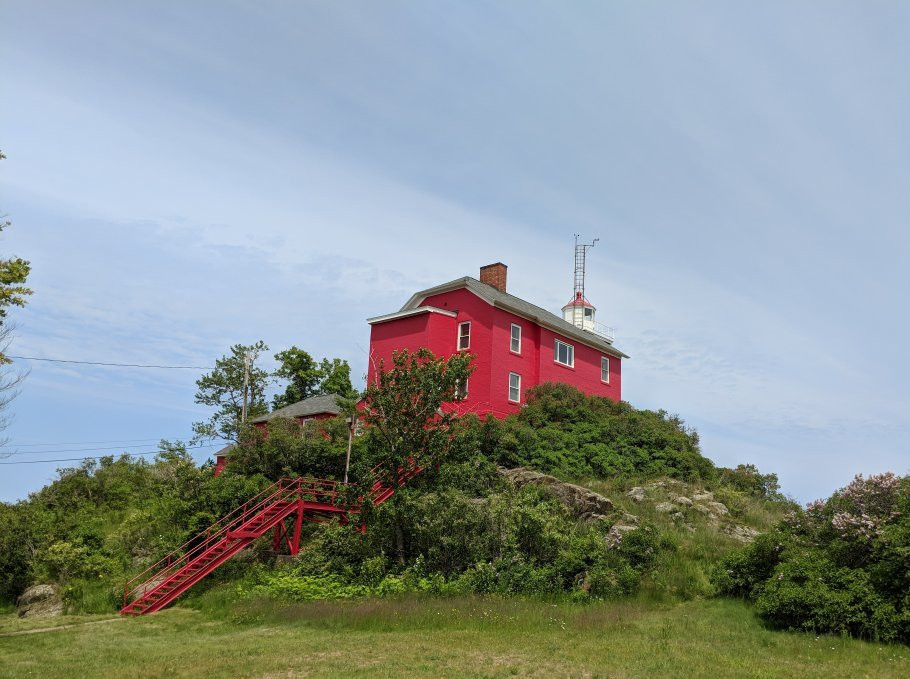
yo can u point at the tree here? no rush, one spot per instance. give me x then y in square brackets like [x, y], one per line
[302, 373]
[336, 378]
[224, 388]
[307, 378]
[13, 273]
[405, 419]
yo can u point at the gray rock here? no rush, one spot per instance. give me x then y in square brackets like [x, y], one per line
[682, 500]
[742, 533]
[630, 519]
[718, 508]
[702, 509]
[665, 507]
[39, 601]
[614, 537]
[703, 496]
[637, 494]
[585, 504]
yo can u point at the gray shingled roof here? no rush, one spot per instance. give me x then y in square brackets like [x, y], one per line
[313, 405]
[520, 307]
[225, 451]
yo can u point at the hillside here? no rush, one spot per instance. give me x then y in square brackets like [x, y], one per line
[459, 529]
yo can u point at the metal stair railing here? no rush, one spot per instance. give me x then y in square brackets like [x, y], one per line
[285, 490]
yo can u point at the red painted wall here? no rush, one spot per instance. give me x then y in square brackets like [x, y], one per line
[488, 387]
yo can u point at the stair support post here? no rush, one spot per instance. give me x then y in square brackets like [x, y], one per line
[294, 545]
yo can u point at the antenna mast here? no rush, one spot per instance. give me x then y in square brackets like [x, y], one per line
[579, 292]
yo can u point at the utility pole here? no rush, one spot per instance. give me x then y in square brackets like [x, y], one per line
[247, 359]
[347, 462]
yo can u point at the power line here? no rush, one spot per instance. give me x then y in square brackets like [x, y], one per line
[59, 450]
[86, 443]
[115, 365]
[92, 457]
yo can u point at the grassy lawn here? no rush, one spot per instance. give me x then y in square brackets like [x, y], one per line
[441, 637]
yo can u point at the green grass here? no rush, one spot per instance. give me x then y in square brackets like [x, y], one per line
[700, 543]
[415, 637]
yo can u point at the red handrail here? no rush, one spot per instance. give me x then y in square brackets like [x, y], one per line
[319, 490]
[323, 491]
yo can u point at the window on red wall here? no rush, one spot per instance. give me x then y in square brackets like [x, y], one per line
[605, 369]
[514, 387]
[464, 335]
[515, 342]
[564, 353]
[461, 389]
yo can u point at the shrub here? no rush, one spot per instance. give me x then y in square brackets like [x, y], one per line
[840, 566]
[564, 432]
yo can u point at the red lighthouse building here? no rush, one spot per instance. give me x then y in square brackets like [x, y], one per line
[517, 344]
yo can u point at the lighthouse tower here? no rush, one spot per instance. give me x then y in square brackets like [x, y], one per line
[579, 311]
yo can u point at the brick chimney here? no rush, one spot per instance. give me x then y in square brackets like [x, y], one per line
[495, 275]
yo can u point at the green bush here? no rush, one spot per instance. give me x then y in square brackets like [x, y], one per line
[841, 566]
[810, 593]
[564, 432]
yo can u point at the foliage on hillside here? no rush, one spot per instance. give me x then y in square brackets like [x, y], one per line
[100, 523]
[457, 527]
[841, 565]
[565, 432]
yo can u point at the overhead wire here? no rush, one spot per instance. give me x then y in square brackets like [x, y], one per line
[92, 457]
[114, 365]
[86, 443]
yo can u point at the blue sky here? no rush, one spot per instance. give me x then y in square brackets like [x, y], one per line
[184, 176]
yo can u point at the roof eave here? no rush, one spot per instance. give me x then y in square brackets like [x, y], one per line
[404, 313]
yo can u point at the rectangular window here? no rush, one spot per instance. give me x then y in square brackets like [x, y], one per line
[515, 344]
[461, 390]
[564, 353]
[605, 369]
[514, 387]
[464, 335]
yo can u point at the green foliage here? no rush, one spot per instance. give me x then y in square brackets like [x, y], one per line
[13, 274]
[841, 566]
[307, 378]
[406, 423]
[315, 449]
[747, 479]
[567, 433]
[336, 378]
[15, 550]
[223, 389]
[107, 519]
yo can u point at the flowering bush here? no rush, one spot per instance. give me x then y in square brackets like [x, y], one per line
[842, 565]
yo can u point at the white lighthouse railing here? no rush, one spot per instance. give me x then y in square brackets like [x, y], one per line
[600, 329]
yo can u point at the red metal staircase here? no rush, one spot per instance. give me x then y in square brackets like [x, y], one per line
[317, 500]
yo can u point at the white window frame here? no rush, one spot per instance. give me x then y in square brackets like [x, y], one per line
[571, 353]
[512, 339]
[605, 363]
[461, 389]
[517, 388]
[460, 336]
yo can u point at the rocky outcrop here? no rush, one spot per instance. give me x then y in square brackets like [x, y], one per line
[637, 494]
[39, 601]
[742, 533]
[665, 507]
[585, 504]
[718, 508]
[614, 536]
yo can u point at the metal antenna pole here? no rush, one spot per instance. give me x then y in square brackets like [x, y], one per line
[578, 312]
